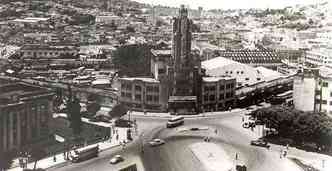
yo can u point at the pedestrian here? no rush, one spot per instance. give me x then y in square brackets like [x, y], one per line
[64, 155]
[54, 158]
[216, 131]
[236, 156]
[242, 119]
[117, 137]
[287, 146]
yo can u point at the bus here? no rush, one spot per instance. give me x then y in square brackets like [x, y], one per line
[84, 153]
[175, 121]
[281, 98]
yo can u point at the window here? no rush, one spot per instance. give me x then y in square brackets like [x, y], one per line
[325, 84]
[206, 88]
[222, 87]
[161, 71]
[149, 88]
[331, 103]
[213, 88]
[138, 97]
[324, 102]
[231, 72]
[122, 94]
[229, 95]
[212, 98]
[128, 95]
[149, 98]
[247, 79]
[258, 79]
[331, 94]
[221, 96]
[317, 92]
[237, 72]
[138, 88]
[156, 89]
[156, 98]
[241, 72]
[206, 98]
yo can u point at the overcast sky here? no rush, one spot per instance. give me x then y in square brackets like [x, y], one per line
[232, 4]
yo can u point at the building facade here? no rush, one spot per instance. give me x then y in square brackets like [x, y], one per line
[33, 51]
[141, 94]
[304, 90]
[25, 114]
[185, 62]
[218, 93]
[323, 100]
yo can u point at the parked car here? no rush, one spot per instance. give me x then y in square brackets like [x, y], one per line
[260, 142]
[116, 159]
[156, 142]
[248, 124]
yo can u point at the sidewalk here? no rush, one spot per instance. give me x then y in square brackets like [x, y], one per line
[50, 162]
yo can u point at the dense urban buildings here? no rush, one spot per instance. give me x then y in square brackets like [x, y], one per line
[25, 114]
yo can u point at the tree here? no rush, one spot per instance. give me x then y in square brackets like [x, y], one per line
[6, 160]
[132, 60]
[37, 154]
[118, 111]
[74, 113]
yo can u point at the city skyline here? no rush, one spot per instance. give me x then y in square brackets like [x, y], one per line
[235, 4]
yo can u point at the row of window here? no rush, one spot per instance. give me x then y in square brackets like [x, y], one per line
[138, 97]
[221, 87]
[46, 53]
[231, 72]
[221, 96]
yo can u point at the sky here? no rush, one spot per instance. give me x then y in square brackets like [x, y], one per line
[232, 4]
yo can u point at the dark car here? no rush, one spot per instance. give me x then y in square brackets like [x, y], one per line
[260, 142]
[123, 123]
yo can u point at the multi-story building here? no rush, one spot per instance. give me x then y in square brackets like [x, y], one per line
[304, 89]
[25, 114]
[184, 62]
[323, 100]
[32, 51]
[319, 57]
[177, 74]
[141, 93]
[217, 93]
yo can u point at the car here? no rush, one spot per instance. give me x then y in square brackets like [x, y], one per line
[260, 142]
[116, 159]
[156, 142]
[194, 129]
[248, 124]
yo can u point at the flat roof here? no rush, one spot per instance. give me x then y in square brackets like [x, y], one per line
[215, 79]
[152, 80]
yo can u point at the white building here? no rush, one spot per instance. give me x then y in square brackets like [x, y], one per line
[319, 57]
[304, 90]
[245, 75]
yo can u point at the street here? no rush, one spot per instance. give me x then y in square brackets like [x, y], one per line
[175, 155]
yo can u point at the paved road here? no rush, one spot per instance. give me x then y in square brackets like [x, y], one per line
[175, 154]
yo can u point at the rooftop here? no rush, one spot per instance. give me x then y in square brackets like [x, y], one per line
[218, 62]
[215, 79]
[12, 92]
[151, 80]
[161, 52]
